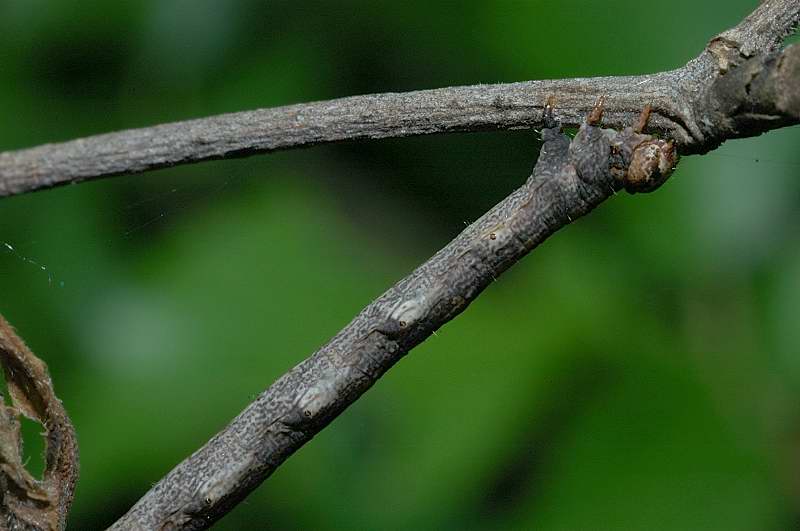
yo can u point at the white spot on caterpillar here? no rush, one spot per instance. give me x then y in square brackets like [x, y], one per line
[214, 488]
[409, 311]
[319, 395]
[499, 236]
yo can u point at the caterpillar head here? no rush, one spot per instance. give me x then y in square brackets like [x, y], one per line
[652, 162]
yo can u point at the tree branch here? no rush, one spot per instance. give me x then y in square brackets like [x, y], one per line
[568, 181]
[765, 28]
[678, 99]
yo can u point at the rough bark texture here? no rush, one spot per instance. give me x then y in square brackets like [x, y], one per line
[28, 503]
[679, 99]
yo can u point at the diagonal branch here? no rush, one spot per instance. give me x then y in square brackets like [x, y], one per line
[677, 98]
[765, 28]
[568, 181]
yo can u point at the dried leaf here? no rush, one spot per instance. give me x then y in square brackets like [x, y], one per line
[28, 503]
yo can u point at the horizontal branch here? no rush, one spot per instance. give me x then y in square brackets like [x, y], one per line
[678, 99]
[472, 108]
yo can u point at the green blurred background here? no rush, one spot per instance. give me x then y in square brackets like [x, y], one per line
[641, 370]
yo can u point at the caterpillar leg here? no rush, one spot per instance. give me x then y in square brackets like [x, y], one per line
[643, 119]
[596, 115]
[549, 118]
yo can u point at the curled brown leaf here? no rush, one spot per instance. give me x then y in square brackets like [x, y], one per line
[29, 503]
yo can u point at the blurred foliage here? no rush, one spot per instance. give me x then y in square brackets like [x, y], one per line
[639, 371]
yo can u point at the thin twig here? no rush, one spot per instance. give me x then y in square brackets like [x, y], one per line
[676, 98]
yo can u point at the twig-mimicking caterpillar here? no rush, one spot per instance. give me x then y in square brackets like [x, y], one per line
[628, 159]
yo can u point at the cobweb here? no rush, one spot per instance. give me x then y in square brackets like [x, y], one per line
[10, 249]
[143, 217]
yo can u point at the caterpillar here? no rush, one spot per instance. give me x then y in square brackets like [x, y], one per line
[633, 160]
